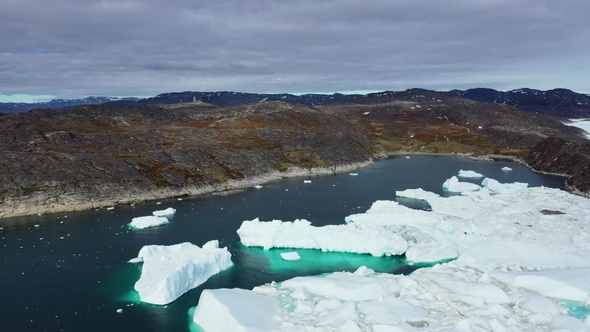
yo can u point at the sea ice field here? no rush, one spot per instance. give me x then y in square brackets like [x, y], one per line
[512, 258]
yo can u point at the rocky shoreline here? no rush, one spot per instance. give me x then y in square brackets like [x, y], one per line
[30, 206]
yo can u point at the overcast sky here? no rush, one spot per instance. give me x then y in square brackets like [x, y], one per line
[75, 48]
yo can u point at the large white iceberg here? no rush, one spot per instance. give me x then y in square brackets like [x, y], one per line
[523, 264]
[170, 271]
[354, 238]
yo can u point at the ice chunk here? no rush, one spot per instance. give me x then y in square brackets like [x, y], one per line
[497, 187]
[166, 212]
[258, 186]
[487, 255]
[506, 169]
[290, 256]
[170, 271]
[235, 310]
[147, 221]
[417, 194]
[453, 185]
[306, 181]
[469, 174]
[363, 239]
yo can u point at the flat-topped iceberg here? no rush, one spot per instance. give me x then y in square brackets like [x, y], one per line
[157, 218]
[166, 212]
[170, 271]
[469, 174]
[147, 221]
[354, 238]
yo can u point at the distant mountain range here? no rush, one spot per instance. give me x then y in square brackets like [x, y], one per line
[59, 104]
[561, 103]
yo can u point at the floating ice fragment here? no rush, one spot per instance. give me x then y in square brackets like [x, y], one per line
[354, 174]
[162, 213]
[110, 208]
[147, 221]
[469, 174]
[119, 311]
[497, 187]
[290, 256]
[506, 169]
[306, 181]
[170, 271]
[453, 185]
[258, 186]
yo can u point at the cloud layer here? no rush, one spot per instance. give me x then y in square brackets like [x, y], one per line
[140, 48]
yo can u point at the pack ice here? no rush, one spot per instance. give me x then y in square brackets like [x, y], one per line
[522, 263]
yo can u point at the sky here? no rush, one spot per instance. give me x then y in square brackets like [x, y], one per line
[74, 49]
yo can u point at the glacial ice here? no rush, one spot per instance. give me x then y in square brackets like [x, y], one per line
[469, 174]
[455, 186]
[147, 221]
[355, 238]
[163, 213]
[170, 271]
[515, 267]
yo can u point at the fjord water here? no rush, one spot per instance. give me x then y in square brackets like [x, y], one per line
[69, 271]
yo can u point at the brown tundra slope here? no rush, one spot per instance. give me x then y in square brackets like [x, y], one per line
[95, 156]
[433, 122]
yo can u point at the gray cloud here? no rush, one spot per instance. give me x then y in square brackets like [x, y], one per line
[72, 48]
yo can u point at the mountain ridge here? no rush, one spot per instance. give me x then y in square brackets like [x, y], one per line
[560, 102]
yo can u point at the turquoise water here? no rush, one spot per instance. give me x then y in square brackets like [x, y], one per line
[69, 271]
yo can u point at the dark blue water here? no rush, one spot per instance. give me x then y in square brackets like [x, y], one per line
[69, 272]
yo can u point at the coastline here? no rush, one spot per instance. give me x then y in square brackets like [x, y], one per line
[69, 202]
[74, 203]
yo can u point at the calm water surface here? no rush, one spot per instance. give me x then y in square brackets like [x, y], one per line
[69, 272]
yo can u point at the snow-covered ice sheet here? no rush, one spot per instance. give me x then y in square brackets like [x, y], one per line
[522, 253]
[580, 123]
[170, 271]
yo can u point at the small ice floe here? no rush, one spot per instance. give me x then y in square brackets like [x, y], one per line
[258, 186]
[147, 221]
[110, 208]
[306, 181]
[162, 213]
[290, 256]
[354, 174]
[366, 113]
[506, 169]
[469, 174]
[407, 157]
[119, 311]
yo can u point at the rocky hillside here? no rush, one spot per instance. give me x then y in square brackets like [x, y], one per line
[425, 121]
[561, 103]
[96, 156]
